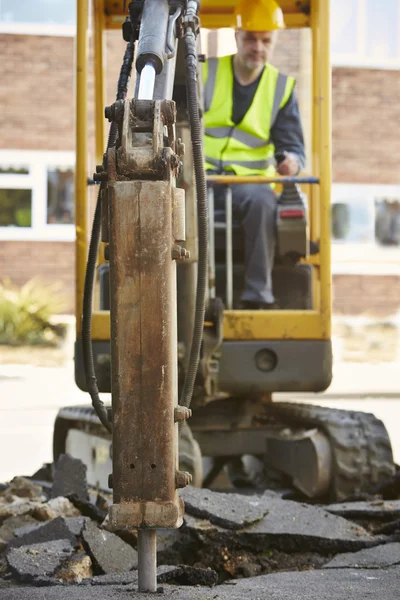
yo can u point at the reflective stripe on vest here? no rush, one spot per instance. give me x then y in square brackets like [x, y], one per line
[279, 94]
[245, 148]
[241, 136]
[212, 65]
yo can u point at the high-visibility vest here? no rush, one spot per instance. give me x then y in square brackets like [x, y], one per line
[245, 148]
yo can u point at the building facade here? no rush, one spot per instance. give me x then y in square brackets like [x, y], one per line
[37, 143]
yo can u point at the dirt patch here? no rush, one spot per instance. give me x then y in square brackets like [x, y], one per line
[233, 563]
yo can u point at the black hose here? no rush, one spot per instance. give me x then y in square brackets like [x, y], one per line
[201, 192]
[87, 306]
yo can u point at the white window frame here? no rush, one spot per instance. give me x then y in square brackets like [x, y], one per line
[360, 58]
[38, 163]
[363, 258]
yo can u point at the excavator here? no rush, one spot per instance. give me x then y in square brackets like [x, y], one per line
[158, 278]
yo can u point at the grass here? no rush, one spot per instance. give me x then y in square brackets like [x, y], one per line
[26, 314]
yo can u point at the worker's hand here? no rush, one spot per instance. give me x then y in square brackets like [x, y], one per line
[289, 166]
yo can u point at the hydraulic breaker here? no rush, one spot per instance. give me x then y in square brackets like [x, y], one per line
[146, 225]
[141, 215]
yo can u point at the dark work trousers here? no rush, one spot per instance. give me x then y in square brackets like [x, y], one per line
[254, 205]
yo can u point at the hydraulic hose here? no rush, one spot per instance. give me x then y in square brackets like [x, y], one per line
[87, 307]
[201, 192]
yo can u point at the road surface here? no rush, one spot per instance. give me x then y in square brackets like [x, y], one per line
[30, 397]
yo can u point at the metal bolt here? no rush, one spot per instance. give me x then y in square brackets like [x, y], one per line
[109, 112]
[181, 413]
[182, 479]
[110, 481]
[99, 168]
[100, 176]
[179, 253]
[176, 252]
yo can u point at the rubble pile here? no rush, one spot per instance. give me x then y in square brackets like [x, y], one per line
[54, 531]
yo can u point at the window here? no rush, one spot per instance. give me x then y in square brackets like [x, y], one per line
[60, 195]
[365, 228]
[52, 17]
[353, 221]
[15, 208]
[366, 33]
[36, 195]
[387, 221]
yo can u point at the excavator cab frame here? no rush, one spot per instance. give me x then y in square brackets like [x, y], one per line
[297, 340]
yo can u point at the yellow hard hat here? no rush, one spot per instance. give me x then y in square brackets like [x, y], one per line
[258, 15]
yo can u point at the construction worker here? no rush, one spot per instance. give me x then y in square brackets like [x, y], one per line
[251, 117]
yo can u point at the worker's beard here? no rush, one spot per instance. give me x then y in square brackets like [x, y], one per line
[252, 63]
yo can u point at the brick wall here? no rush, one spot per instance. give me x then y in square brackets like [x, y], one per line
[37, 90]
[37, 112]
[365, 150]
[36, 94]
[372, 295]
[51, 262]
[366, 111]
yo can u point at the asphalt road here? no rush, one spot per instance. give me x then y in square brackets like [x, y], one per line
[334, 584]
[30, 398]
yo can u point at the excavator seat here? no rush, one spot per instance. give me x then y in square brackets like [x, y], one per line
[292, 280]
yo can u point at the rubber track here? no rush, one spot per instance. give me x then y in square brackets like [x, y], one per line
[361, 449]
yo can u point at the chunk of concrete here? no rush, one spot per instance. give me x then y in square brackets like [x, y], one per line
[187, 575]
[61, 507]
[38, 560]
[18, 508]
[292, 526]
[45, 473]
[199, 525]
[57, 529]
[378, 557]
[379, 509]
[24, 488]
[108, 552]
[75, 525]
[285, 524]
[231, 511]
[76, 569]
[70, 478]
[11, 525]
[88, 509]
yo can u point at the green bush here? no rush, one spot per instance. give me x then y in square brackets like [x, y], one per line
[25, 313]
